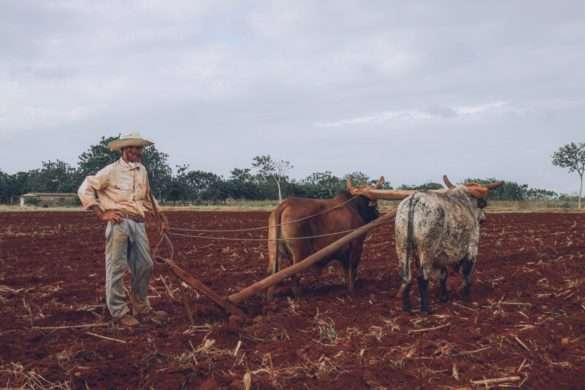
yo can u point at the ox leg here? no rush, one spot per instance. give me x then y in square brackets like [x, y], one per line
[350, 270]
[296, 287]
[350, 277]
[406, 276]
[405, 288]
[273, 267]
[423, 288]
[351, 266]
[467, 268]
[296, 284]
[297, 254]
[422, 278]
[443, 295]
[270, 293]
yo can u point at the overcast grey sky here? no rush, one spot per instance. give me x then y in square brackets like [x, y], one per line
[409, 90]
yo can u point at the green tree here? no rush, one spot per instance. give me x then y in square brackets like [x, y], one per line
[20, 183]
[97, 157]
[423, 187]
[6, 187]
[160, 173]
[178, 189]
[242, 184]
[541, 194]
[275, 170]
[357, 178]
[54, 176]
[572, 156]
[199, 185]
[322, 185]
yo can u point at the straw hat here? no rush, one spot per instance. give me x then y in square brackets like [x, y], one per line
[130, 139]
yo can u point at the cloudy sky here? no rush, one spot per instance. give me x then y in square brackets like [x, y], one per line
[409, 90]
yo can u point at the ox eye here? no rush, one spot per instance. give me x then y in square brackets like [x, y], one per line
[481, 203]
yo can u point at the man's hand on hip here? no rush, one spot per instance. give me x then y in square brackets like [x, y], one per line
[111, 216]
[108, 216]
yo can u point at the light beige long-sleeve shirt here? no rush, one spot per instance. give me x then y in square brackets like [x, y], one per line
[121, 186]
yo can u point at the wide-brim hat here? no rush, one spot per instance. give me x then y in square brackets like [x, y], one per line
[131, 139]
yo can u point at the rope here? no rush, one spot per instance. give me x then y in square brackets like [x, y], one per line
[164, 235]
[215, 238]
[258, 228]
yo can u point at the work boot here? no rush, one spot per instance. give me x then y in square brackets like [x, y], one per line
[143, 310]
[127, 321]
[139, 306]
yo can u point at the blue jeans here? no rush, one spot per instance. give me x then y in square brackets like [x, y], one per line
[127, 248]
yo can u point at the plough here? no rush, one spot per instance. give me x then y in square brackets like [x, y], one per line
[230, 303]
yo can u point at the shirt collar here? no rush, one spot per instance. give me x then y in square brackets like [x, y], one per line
[128, 165]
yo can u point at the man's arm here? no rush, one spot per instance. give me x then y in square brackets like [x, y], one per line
[106, 216]
[153, 208]
[89, 200]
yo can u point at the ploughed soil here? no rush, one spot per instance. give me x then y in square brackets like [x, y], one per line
[525, 320]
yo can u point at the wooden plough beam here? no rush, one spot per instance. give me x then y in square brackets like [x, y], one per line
[201, 288]
[229, 304]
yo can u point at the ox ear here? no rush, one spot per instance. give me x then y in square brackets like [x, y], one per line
[448, 182]
[380, 183]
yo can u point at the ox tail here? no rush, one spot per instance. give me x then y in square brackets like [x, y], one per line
[274, 235]
[408, 253]
[410, 242]
[274, 222]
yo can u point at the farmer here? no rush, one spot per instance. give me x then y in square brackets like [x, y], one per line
[120, 195]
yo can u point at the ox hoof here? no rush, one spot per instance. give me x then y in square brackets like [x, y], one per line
[297, 292]
[235, 323]
[443, 298]
[426, 311]
[269, 297]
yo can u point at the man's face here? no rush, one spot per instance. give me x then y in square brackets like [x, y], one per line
[133, 153]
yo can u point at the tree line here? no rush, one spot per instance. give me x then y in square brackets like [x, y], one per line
[265, 179]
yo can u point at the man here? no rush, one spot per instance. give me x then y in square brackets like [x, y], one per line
[120, 195]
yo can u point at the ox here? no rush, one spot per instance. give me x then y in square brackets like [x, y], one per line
[296, 218]
[434, 230]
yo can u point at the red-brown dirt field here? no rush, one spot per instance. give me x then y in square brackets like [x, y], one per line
[526, 317]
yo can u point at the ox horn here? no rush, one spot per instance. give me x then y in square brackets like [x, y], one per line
[349, 185]
[380, 183]
[493, 186]
[448, 182]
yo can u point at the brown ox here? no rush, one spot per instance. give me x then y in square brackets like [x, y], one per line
[296, 218]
